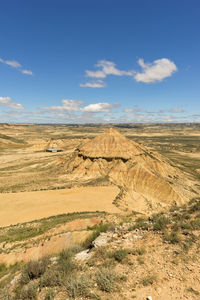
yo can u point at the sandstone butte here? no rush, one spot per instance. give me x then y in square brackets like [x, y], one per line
[148, 182]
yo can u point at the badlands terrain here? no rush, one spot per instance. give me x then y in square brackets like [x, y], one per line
[135, 187]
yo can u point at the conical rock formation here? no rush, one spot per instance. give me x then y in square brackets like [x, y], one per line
[147, 180]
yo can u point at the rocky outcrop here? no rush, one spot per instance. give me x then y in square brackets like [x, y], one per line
[149, 181]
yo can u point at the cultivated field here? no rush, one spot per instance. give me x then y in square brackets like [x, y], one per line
[28, 206]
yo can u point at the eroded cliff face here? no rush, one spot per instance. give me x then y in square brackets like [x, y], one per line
[148, 181]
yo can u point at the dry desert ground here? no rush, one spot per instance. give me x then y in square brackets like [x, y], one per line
[135, 187]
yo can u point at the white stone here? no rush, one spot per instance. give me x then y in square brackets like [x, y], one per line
[16, 279]
[102, 239]
[83, 255]
[54, 260]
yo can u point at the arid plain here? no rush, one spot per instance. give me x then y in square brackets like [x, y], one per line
[106, 174]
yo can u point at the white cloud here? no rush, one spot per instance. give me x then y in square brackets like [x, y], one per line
[172, 110]
[7, 101]
[97, 84]
[13, 63]
[151, 72]
[95, 74]
[99, 107]
[107, 68]
[156, 71]
[28, 72]
[71, 105]
[134, 110]
[17, 65]
[68, 105]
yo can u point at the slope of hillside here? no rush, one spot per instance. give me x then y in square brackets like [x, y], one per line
[147, 180]
[133, 258]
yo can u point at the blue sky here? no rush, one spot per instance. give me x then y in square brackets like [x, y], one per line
[79, 61]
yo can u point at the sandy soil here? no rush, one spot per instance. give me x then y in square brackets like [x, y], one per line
[27, 206]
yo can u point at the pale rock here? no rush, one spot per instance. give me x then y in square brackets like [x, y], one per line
[54, 260]
[15, 280]
[83, 255]
[102, 239]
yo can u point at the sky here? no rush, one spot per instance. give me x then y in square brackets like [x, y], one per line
[108, 61]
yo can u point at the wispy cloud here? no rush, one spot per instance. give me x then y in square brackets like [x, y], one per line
[107, 68]
[15, 64]
[7, 101]
[27, 72]
[134, 110]
[12, 63]
[156, 71]
[97, 84]
[172, 110]
[68, 105]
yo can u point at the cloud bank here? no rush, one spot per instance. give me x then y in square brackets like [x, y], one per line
[69, 105]
[7, 101]
[156, 71]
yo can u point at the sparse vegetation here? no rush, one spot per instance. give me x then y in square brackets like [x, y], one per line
[106, 279]
[97, 229]
[78, 286]
[113, 268]
[29, 292]
[160, 222]
[50, 294]
[29, 230]
[34, 269]
[139, 251]
[140, 223]
[120, 254]
[193, 291]
[52, 277]
[66, 264]
[149, 279]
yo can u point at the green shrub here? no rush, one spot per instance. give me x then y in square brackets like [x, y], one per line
[97, 229]
[29, 292]
[195, 206]
[78, 286]
[195, 224]
[65, 254]
[140, 260]
[105, 279]
[3, 268]
[102, 253]
[66, 263]
[50, 278]
[160, 222]
[50, 294]
[139, 251]
[140, 223]
[34, 269]
[173, 237]
[148, 280]
[120, 254]
[109, 262]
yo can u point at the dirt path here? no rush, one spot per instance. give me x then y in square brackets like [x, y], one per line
[27, 206]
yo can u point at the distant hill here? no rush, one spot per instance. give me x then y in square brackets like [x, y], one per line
[147, 180]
